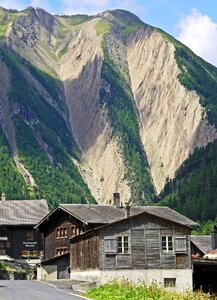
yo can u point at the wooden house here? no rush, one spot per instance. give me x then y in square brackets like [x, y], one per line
[68, 220]
[151, 245]
[18, 238]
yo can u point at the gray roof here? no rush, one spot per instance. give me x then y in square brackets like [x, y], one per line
[202, 242]
[22, 212]
[106, 214]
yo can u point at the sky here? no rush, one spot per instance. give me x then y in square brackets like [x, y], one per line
[193, 22]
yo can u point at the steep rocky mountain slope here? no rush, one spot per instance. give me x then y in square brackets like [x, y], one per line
[100, 104]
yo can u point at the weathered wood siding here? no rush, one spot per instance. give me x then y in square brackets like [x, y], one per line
[85, 252]
[51, 243]
[138, 249]
[145, 233]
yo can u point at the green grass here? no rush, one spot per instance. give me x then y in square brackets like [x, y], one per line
[129, 30]
[6, 19]
[125, 290]
[103, 27]
[69, 24]
[62, 52]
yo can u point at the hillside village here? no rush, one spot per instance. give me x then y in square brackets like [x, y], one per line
[108, 154]
[95, 243]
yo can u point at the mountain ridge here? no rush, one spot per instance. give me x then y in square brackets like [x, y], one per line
[109, 102]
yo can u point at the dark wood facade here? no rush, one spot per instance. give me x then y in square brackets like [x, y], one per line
[139, 242]
[57, 230]
[20, 242]
[18, 238]
[85, 252]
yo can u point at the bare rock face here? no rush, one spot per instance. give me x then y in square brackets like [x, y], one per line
[171, 116]
[80, 70]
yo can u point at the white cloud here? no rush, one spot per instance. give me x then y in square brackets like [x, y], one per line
[13, 4]
[91, 7]
[199, 33]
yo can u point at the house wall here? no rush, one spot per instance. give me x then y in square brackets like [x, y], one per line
[183, 277]
[57, 268]
[21, 241]
[85, 253]
[145, 233]
[52, 243]
[47, 273]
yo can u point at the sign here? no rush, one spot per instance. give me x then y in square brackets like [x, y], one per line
[3, 238]
[30, 244]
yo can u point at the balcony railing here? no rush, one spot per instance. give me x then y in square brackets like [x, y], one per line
[31, 254]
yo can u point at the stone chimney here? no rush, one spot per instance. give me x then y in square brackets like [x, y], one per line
[214, 237]
[127, 210]
[116, 199]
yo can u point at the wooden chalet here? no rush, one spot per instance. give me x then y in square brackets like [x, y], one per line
[69, 220]
[151, 245]
[18, 238]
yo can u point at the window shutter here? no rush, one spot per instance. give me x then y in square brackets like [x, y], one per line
[180, 243]
[110, 245]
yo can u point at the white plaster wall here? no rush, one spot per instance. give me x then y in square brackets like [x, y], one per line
[183, 277]
[47, 273]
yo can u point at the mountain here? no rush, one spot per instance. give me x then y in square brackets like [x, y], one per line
[92, 105]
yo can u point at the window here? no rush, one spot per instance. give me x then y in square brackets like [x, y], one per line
[78, 230]
[60, 251]
[167, 244]
[180, 244]
[61, 232]
[169, 282]
[73, 230]
[123, 244]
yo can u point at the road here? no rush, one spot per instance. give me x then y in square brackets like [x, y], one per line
[33, 290]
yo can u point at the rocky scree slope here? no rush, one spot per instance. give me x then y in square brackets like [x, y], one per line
[101, 100]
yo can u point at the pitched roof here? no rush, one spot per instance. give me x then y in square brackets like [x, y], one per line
[202, 242]
[211, 255]
[22, 212]
[106, 214]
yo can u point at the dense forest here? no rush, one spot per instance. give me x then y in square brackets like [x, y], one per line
[57, 178]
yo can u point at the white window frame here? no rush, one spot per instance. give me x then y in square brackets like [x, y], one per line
[167, 244]
[123, 240]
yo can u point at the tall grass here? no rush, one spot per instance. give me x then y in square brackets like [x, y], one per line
[125, 290]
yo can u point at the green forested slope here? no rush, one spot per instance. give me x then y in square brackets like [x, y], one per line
[57, 179]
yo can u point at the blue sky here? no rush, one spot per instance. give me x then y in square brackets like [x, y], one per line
[194, 22]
